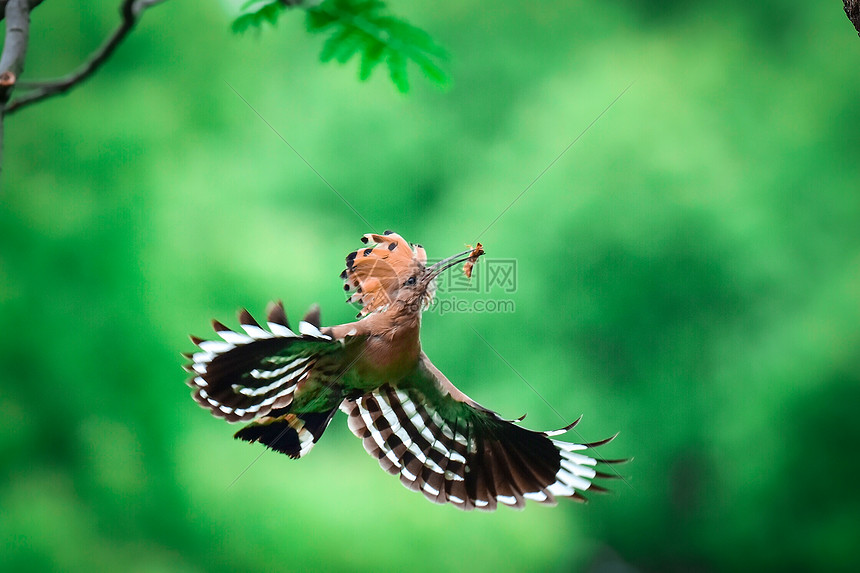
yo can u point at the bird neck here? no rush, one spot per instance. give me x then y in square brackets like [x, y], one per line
[398, 326]
[391, 345]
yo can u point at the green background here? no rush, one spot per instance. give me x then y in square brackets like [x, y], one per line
[687, 273]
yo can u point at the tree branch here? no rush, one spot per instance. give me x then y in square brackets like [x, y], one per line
[15, 45]
[852, 10]
[130, 11]
[17, 15]
[32, 3]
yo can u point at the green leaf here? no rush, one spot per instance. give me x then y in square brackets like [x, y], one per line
[434, 72]
[370, 58]
[365, 27]
[242, 23]
[333, 44]
[266, 13]
[397, 71]
[319, 19]
[411, 36]
[349, 45]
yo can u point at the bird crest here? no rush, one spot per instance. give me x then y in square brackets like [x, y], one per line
[375, 274]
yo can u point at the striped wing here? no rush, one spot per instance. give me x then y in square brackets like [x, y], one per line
[456, 451]
[246, 376]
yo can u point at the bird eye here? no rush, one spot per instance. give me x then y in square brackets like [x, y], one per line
[410, 281]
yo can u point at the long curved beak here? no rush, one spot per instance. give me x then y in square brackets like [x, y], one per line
[446, 264]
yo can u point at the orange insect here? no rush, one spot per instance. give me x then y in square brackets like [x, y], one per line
[473, 258]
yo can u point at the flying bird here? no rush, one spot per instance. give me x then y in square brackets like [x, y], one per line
[289, 384]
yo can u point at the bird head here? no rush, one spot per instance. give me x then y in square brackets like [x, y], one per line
[391, 273]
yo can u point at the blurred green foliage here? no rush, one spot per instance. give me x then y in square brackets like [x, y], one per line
[688, 273]
[358, 27]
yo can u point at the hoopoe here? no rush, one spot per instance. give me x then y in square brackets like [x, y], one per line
[410, 417]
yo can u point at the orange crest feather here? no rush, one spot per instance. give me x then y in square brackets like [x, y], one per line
[374, 274]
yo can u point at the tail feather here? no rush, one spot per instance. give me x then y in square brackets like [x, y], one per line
[291, 434]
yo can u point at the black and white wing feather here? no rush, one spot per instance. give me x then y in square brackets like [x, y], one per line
[246, 376]
[451, 449]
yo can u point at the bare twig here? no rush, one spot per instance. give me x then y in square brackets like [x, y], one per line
[852, 10]
[17, 15]
[32, 3]
[130, 11]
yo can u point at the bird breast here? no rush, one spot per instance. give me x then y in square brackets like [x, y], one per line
[389, 355]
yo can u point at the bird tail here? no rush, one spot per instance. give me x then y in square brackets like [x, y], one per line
[288, 433]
